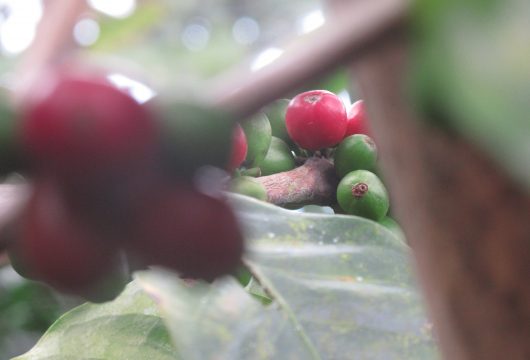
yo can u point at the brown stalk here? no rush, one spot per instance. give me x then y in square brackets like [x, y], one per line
[315, 182]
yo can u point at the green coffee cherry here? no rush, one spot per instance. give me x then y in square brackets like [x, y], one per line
[361, 193]
[355, 152]
[393, 226]
[259, 133]
[248, 186]
[276, 114]
[278, 159]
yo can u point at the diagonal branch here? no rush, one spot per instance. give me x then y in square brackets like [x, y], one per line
[345, 36]
[54, 34]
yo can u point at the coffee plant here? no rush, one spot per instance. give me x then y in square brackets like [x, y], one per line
[155, 206]
[121, 211]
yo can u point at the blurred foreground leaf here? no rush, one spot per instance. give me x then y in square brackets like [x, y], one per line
[330, 287]
[130, 328]
[341, 289]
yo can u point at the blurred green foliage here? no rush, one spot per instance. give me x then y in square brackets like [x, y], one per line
[27, 309]
[472, 74]
[152, 37]
[322, 287]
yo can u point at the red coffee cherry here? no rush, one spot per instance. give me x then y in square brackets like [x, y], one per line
[239, 148]
[80, 125]
[316, 119]
[58, 249]
[187, 231]
[357, 120]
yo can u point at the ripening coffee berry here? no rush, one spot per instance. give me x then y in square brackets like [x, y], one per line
[239, 148]
[192, 233]
[362, 193]
[357, 120]
[78, 126]
[58, 249]
[316, 119]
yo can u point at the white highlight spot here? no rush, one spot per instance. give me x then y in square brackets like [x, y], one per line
[266, 57]
[344, 95]
[86, 32]
[18, 30]
[195, 37]
[311, 22]
[114, 8]
[245, 30]
[16, 36]
[139, 91]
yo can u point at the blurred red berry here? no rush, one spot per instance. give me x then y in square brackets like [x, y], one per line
[79, 126]
[56, 248]
[187, 231]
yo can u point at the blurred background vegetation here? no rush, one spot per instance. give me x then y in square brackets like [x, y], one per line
[171, 44]
[27, 309]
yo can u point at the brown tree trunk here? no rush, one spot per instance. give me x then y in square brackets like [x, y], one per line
[467, 222]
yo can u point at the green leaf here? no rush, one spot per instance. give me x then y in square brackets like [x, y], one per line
[341, 288]
[222, 321]
[472, 74]
[255, 289]
[129, 327]
[27, 309]
[324, 287]
[345, 280]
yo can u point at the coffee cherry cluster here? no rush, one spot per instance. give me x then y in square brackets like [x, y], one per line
[316, 123]
[112, 187]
